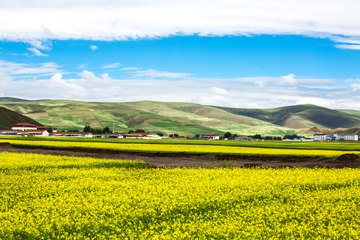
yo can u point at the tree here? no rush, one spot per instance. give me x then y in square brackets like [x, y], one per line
[106, 130]
[139, 130]
[227, 135]
[87, 128]
[234, 136]
[160, 134]
[292, 136]
[73, 130]
[256, 136]
[176, 135]
[197, 135]
[96, 130]
[130, 131]
[171, 135]
[49, 130]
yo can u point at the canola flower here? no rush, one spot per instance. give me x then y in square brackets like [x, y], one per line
[183, 148]
[53, 197]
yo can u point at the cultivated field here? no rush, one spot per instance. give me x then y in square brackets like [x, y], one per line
[53, 197]
[297, 149]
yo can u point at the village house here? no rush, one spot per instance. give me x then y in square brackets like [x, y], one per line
[58, 134]
[34, 133]
[112, 135]
[23, 126]
[320, 137]
[9, 132]
[46, 128]
[79, 134]
[137, 135]
[210, 136]
[243, 138]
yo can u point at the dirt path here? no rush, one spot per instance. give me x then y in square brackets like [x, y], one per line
[195, 160]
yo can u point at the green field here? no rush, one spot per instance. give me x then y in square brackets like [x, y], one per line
[338, 146]
[53, 197]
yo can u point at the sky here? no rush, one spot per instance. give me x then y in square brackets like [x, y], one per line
[243, 53]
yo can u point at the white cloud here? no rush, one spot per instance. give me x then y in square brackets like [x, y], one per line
[81, 66]
[158, 74]
[91, 78]
[93, 47]
[289, 79]
[41, 44]
[160, 86]
[219, 91]
[355, 86]
[348, 46]
[37, 52]
[17, 69]
[112, 65]
[129, 68]
[260, 83]
[63, 87]
[121, 20]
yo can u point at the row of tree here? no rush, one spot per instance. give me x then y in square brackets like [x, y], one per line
[227, 135]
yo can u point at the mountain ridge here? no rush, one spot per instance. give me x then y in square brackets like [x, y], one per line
[187, 118]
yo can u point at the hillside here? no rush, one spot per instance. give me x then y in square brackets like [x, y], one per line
[11, 99]
[8, 117]
[303, 116]
[187, 118]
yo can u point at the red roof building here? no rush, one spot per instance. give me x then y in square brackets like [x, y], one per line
[23, 126]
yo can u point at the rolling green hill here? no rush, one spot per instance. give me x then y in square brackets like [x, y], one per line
[8, 117]
[303, 116]
[186, 118]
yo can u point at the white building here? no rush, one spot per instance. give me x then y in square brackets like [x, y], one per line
[210, 136]
[23, 126]
[242, 138]
[9, 132]
[35, 133]
[320, 137]
[152, 136]
[348, 138]
[79, 134]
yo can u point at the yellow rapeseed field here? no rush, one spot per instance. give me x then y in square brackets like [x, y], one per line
[183, 148]
[53, 197]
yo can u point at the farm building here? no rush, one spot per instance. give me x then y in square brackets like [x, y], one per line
[137, 135]
[46, 127]
[320, 137]
[243, 138]
[347, 138]
[35, 133]
[79, 134]
[24, 126]
[210, 136]
[9, 132]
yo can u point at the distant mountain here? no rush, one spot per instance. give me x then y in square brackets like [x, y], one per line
[8, 117]
[187, 118]
[302, 116]
[11, 99]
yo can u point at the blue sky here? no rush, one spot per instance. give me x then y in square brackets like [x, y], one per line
[234, 54]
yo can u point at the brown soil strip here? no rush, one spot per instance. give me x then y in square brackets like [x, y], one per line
[184, 159]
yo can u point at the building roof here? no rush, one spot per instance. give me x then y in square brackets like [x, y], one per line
[80, 133]
[210, 134]
[2, 131]
[33, 131]
[143, 134]
[45, 127]
[24, 124]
